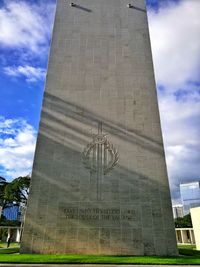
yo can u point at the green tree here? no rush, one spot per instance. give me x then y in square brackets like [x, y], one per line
[15, 191]
[3, 184]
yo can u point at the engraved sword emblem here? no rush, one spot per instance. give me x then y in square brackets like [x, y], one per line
[100, 157]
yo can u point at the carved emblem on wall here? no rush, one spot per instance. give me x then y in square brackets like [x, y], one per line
[100, 154]
[100, 157]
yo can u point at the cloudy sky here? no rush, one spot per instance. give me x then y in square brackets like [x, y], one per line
[25, 34]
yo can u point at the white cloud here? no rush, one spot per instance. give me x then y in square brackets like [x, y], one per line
[181, 131]
[32, 74]
[17, 146]
[25, 25]
[175, 32]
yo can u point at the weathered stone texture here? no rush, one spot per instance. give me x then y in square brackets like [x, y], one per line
[100, 80]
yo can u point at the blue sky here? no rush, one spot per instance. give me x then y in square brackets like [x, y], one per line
[25, 34]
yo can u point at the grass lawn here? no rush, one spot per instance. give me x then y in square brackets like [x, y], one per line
[189, 246]
[4, 244]
[10, 250]
[187, 257]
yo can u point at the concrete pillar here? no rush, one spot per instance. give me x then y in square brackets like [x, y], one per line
[0, 211]
[8, 235]
[192, 236]
[178, 236]
[100, 137]
[184, 236]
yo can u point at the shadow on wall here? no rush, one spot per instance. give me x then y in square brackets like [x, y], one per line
[60, 181]
[80, 114]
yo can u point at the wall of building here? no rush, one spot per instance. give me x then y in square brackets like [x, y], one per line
[195, 215]
[12, 212]
[185, 236]
[190, 195]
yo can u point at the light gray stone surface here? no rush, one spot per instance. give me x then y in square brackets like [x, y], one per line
[100, 80]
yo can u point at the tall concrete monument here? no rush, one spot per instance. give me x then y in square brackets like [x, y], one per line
[99, 182]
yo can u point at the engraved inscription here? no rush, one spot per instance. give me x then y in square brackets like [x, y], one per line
[99, 214]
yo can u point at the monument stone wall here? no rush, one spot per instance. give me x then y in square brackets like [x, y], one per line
[99, 182]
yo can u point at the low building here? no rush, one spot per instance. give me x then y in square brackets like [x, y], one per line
[185, 236]
[12, 212]
[14, 231]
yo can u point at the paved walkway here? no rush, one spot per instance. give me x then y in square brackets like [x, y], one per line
[87, 265]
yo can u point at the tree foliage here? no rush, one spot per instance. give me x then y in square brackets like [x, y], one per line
[5, 222]
[14, 191]
[184, 222]
[3, 184]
